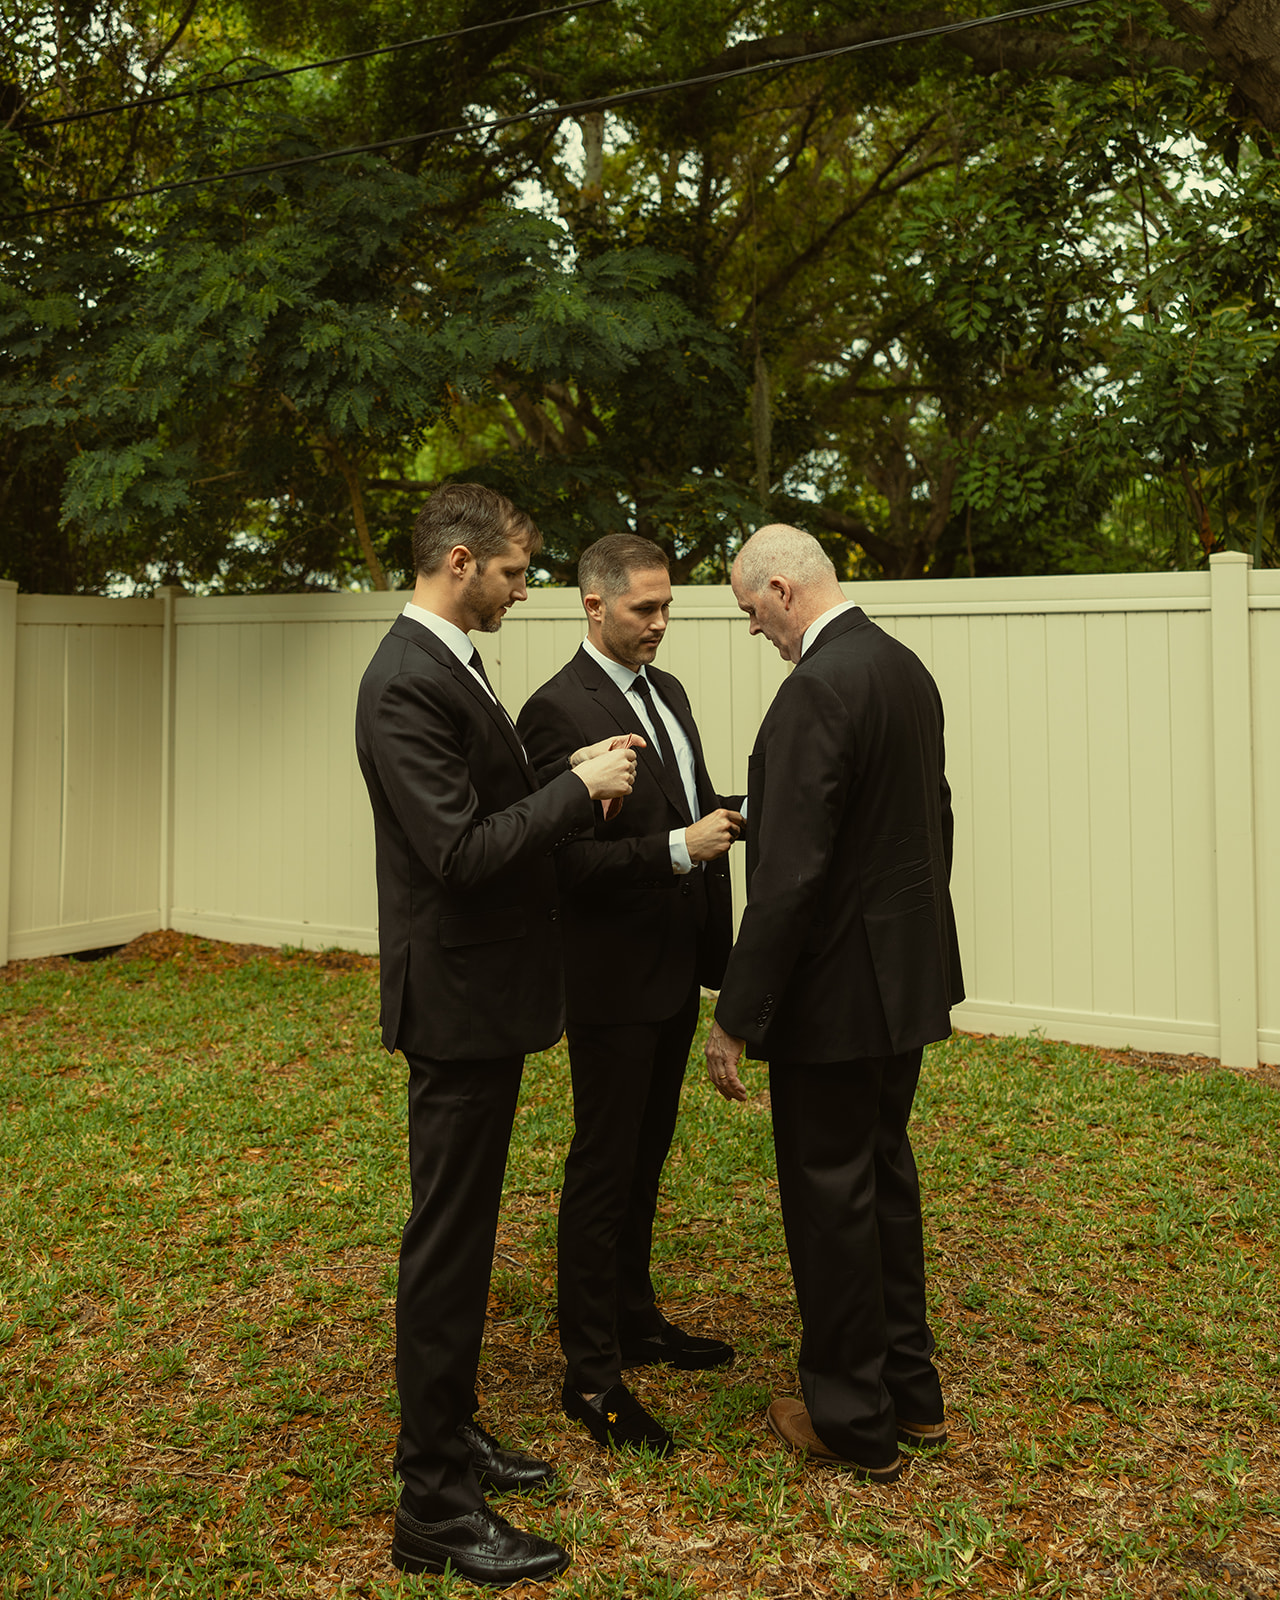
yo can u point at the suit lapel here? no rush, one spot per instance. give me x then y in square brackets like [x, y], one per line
[597, 682]
[439, 651]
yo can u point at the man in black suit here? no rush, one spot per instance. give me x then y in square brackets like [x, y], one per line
[845, 967]
[647, 921]
[471, 979]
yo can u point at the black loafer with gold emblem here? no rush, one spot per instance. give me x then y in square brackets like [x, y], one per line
[617, 1420]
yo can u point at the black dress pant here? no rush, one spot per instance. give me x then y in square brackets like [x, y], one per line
[460, 1117]
[851, 1209]
[626, 1096]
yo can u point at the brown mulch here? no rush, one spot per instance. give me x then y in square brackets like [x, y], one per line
[196, 954]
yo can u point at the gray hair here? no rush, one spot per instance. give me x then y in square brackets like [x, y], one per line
[605, 567]
[779, 551]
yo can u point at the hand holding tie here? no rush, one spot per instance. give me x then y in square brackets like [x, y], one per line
[620, 741]
[610, 774]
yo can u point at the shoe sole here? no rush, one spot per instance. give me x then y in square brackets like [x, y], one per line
[403, 1561]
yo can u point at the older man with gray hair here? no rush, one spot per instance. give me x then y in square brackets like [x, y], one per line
[845, 967]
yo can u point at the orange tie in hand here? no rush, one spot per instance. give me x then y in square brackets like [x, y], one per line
[622, 742]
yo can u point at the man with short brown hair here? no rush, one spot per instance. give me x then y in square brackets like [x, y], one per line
[471, 980]
[646, 921]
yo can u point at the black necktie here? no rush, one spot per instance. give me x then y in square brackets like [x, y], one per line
[477, 666]
[665, 748]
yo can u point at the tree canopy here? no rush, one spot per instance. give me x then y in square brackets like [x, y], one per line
[995, 300]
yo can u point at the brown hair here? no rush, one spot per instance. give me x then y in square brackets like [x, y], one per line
[605, 567]
[473, 515]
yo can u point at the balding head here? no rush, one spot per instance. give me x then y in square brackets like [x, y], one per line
[780, 550]
[784, 580]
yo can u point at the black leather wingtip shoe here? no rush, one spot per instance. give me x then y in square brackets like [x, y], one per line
[673, 1347]
[617, 1420]
[503, 1471]
[481, 1546]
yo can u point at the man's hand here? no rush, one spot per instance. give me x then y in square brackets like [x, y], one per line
[602, 746]
[609, 775]
[711, 836]
[723, 1053]
[589, 752]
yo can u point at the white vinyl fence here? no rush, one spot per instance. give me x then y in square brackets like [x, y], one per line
[1113, 749]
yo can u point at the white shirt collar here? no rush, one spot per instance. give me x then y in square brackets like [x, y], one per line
[624, 677]
[819, 623]
[447, 632]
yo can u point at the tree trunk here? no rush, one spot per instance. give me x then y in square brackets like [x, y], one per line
[1243, 39]
[348, 471]
[592, 125]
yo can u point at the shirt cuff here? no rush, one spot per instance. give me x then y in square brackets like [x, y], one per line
[680, 862]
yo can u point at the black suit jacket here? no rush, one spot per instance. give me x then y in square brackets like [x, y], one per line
[635, 933]
[468, 927]
[847, 947]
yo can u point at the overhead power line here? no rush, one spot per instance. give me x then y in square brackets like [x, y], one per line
[572, 108]
[310, 66]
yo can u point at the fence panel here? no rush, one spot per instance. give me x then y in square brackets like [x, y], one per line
[1264, 620]
[1079, 751]
[272, 838]
[1082, 744]
[86, 773]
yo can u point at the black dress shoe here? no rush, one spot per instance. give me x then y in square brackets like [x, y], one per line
[481, 1546]
[673, 1347]
[501, 1471]
[616, 1418]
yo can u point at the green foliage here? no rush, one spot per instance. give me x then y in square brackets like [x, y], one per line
[995, 312]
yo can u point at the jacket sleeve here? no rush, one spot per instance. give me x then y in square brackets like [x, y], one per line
[804, 765]
[418, 751]
[588, 862]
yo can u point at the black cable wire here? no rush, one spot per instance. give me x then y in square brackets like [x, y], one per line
[573, 108]
[310, 66]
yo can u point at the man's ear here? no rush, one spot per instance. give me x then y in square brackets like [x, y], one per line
[594, 605]
[782, 588]
[459, 561]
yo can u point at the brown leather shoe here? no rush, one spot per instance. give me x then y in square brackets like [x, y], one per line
[789, 1420]
[922, 1435]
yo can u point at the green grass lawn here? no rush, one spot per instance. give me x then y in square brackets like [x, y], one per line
[204, 1180]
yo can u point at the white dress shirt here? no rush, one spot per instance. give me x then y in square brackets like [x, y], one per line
[819, 623]
[453, 638]
[625, 677]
